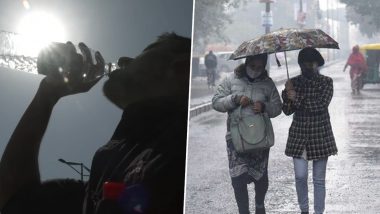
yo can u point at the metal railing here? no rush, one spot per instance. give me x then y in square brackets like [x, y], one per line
[14, 56]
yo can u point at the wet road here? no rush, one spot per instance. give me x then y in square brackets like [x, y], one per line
[352, 176]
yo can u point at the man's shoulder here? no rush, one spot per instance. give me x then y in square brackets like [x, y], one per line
[110, 146]
[210, 56]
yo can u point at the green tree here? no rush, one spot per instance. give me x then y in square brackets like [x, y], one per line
[210, 19]
[246, 21]
[365, 14]
[234, 21]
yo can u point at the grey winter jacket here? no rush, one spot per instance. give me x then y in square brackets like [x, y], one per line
[237, 84]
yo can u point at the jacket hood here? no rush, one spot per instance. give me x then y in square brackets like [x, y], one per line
[240, 72]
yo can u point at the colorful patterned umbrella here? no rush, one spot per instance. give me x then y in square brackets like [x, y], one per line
[285, 40]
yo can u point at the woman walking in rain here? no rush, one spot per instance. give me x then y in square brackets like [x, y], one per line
[310, 135]
[252, 89]
[358, 66]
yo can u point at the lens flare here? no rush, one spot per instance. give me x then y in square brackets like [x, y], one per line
[37, 29]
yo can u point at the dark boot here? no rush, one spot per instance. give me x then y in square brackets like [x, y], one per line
[260, 210]
[241, 193]
[261, 188]
[241, 197]
[304, 212]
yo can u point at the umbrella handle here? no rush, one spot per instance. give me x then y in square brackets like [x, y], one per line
[286, 63]
[277, 61]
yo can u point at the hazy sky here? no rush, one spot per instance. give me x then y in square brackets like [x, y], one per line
[114, 27]
[325, 4]
[82, 123]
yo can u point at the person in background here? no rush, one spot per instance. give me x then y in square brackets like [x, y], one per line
[358, 67]
[307, 97]
[211, 62]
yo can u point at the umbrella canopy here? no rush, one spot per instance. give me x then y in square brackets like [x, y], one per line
[284, 40]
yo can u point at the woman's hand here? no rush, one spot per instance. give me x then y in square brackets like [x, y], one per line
[291, 94]
[258, 107]
[244, 101]
[289, 85]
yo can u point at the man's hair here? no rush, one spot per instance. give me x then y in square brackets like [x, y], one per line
[179, 44]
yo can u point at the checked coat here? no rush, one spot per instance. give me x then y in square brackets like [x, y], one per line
[311, 128]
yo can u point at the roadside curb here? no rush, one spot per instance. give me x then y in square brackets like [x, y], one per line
[197, 110]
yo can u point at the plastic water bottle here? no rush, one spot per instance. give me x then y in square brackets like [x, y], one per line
[14, 56]
[60, 64]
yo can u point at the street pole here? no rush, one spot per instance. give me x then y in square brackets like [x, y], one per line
[71, 164]
[336, 32]
[300, 12]
[267, 21]
[267, 30]
[332, 26]
[328, 28]
[267, 10]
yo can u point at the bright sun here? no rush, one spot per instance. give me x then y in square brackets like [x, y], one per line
[36, 30]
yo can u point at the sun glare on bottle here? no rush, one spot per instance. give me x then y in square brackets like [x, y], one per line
[37, 29]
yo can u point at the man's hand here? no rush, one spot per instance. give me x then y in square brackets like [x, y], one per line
[19, 168]
[244, 101]
[258, 107]
[79, 73]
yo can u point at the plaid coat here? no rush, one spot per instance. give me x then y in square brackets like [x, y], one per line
[311, 127]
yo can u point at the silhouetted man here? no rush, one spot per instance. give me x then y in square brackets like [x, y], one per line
[146, 155]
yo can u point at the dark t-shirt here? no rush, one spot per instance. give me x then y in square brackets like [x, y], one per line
[210, 61]
[60, 196]
[147, 153]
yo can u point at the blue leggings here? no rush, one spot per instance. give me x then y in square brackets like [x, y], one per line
[301, 175]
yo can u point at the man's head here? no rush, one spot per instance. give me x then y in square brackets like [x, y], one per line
[161, 70]
[255, 65]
